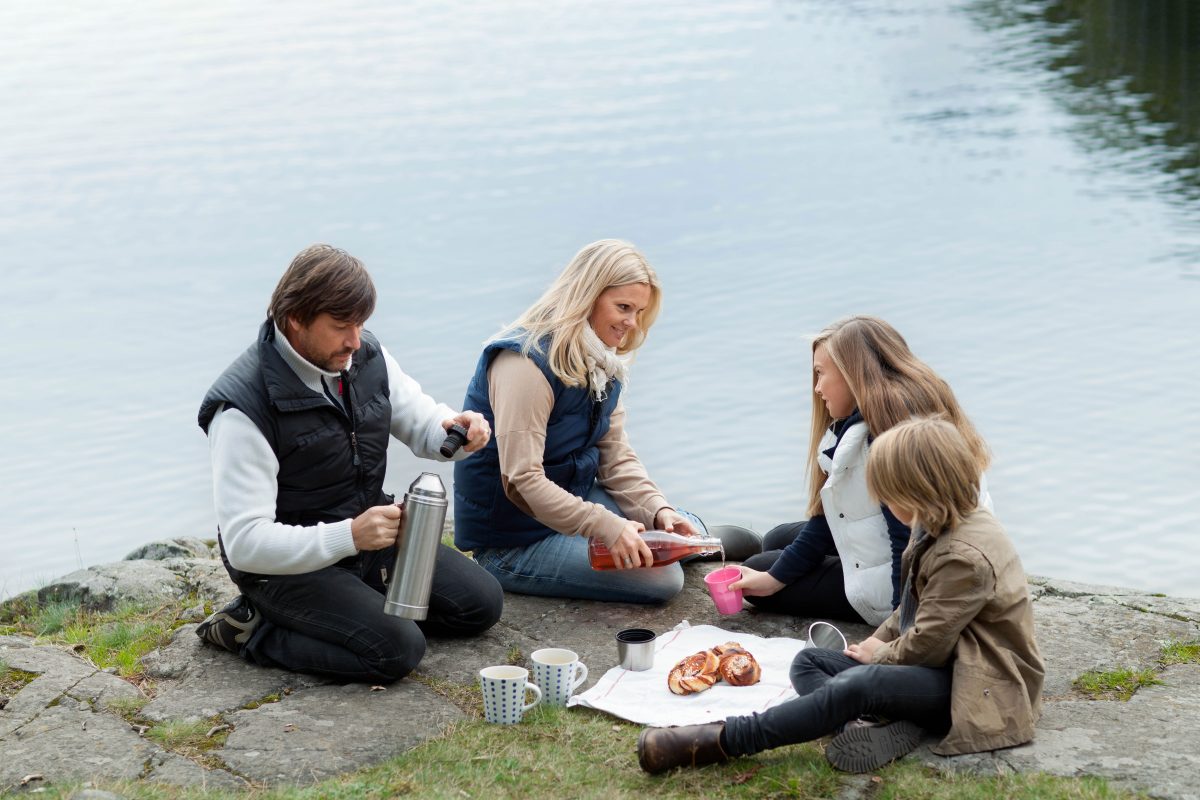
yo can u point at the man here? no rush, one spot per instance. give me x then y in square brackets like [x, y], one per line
[298, 430]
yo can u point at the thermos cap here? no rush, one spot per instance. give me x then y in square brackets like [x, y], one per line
[428, 487]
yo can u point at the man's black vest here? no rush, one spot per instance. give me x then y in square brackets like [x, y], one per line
[331, 461]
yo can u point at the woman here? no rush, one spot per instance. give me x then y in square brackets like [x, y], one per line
[957, 659]
[559, 469]
[844, 562]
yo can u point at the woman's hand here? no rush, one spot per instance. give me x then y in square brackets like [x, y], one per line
[671, 521]
[630, 551]
[755, 583]
[864, 651]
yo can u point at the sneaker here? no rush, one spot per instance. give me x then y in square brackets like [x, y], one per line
[863, 748]
[231, 627]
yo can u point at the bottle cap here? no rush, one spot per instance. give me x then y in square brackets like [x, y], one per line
[428, 486]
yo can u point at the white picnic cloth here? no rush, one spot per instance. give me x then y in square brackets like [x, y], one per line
[643, 697]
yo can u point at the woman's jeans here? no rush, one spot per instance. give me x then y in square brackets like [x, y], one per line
[331, 622]
[558, 566]
[835, 689]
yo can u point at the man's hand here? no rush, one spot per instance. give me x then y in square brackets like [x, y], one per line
[478, 430]
[756, 584]
[864, 651]
[671, 521]
[377, 527]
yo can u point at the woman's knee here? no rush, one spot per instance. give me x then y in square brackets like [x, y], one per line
[662, 584]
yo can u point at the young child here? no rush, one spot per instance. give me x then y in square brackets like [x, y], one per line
[844, 562]
[957, 659]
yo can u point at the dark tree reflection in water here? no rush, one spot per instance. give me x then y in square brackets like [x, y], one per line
[1128, 72]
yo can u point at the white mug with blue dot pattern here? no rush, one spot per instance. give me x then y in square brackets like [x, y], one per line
[504, 689]
[558, 673]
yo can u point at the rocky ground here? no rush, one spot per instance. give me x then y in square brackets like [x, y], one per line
[290, 729]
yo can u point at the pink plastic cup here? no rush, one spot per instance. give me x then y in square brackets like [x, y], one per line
[728, 601]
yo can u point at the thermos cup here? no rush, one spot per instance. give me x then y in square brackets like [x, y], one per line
[412, 575]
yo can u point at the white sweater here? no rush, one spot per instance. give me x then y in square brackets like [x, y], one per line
[245, 475]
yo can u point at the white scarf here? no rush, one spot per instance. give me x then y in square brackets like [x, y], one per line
[603, 363]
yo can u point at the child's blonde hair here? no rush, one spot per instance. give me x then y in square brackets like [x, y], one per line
[562, 312]
[889, 385]
[925, 467]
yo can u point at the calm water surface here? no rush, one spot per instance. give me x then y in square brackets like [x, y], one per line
[1013, 185]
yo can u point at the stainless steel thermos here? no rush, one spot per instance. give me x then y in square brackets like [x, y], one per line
[412, 575]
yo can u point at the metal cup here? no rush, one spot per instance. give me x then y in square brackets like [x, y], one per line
[823, 634]
[635, 648]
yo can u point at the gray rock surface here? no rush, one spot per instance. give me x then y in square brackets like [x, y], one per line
[328, 730]
[181, 547]
[291, 729]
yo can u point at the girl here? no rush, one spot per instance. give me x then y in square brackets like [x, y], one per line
[559, 469]
[844, 562]
[957, 658]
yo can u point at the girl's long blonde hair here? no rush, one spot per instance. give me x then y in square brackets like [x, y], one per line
[561, 314]
[889, 385]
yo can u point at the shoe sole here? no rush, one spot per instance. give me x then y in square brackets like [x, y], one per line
[863, 749]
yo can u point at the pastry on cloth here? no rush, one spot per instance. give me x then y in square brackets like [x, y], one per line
[695, 673]
[737, 666]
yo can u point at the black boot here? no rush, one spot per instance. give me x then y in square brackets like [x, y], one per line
[739, 543]
[661, 749]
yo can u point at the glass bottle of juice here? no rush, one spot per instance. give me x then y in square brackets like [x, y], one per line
[666, 548]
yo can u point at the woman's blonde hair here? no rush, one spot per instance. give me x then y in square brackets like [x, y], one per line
[561, 314]
[889, 385]
[925, 467]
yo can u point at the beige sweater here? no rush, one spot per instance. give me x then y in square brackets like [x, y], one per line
[522, 401]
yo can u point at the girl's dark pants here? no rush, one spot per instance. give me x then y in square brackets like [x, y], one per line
[820, 593]
[835, 689]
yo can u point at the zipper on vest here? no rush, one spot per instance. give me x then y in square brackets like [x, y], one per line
[345, 382]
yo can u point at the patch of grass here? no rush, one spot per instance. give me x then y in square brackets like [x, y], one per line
[1119, 684]
[25, 615]
[909, 780]
[190, 739]
[514, 656]
[466, 696]
[274, 697]
[583, 754]
[578, 753]
[127, 707]
[13, 680]
[1180, 653]
[117, 638]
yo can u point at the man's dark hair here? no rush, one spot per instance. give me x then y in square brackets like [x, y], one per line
[323, 280]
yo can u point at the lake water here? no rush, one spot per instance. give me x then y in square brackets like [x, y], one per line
[1013, 185]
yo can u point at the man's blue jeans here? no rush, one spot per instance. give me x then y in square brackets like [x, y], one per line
[835, 689]
[558, 566]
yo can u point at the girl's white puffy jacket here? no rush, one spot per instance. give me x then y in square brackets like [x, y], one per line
[857, 523]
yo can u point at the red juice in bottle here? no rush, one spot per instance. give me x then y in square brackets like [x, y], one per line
[665, 548]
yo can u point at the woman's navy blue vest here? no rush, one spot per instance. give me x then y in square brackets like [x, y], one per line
[325, 474]
[483, 514]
